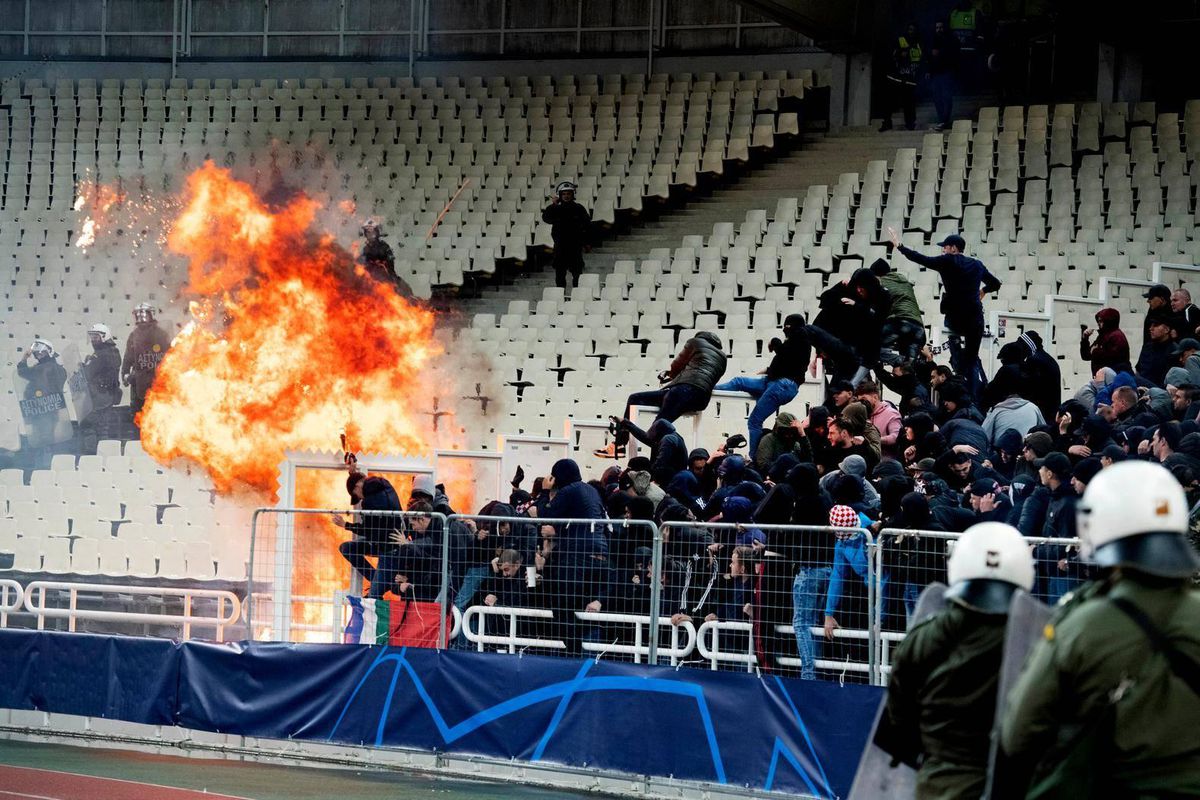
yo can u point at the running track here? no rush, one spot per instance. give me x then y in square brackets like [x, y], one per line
[23, 783]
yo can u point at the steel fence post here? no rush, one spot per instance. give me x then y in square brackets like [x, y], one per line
[250, 575]
[655, 592]
[445, 593]
[874, 591]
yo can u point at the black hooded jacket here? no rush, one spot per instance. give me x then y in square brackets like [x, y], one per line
[792, 353]
[378, 495]
[574, 499]
[668, 451]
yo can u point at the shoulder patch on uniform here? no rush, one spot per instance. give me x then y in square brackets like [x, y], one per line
[1048, 632]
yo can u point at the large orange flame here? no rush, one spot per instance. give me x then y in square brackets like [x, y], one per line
[292, 343]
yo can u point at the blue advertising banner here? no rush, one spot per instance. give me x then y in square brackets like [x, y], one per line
[729, 728]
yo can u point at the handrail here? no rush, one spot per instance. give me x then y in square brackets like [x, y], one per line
[639, 649]
[38, 589]
[481, 637]
[9, 587]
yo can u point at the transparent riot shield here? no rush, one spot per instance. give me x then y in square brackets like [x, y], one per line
[1027, 620]
[79, 396]
[880, 773]
[40, 390]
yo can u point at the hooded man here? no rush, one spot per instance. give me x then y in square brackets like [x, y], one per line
[1157, 353]
[687, 386]
[1111, 348]
[848, 325]
[783, 438]
[780, 383]
[1012, 413]
[578, 574]
[668, 451]
[903, 333]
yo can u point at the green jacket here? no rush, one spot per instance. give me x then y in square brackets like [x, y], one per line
[942, 692]
[1089, 648]
[904, 299]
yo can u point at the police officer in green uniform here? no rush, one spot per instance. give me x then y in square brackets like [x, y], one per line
[1108, 702]
[942, 689]
[902, 79]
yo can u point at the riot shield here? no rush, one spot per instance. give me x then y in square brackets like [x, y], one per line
[1027, 619]
[40, 390]
[885, 769]
[931, 601]
[79, 395]
[876, 776]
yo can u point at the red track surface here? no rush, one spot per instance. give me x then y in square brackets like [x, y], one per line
[22, 783]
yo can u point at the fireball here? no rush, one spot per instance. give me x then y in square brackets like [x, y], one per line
[291, 343]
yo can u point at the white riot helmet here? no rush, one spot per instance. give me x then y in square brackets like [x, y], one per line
[1134, 514]
[989, 562]
[372, 229]
[143, 312]
[41, 349]
[565, 186]
[101, 330]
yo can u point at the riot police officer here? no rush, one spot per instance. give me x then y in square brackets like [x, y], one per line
[570, 223]
[1108, 701]
[102, 368]
[144, 351]
[942, 690]
[378, 259]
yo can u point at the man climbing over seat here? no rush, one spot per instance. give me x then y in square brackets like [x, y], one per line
[687, 386]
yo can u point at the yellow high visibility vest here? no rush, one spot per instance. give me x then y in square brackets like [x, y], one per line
[914, 50]
[962, 20]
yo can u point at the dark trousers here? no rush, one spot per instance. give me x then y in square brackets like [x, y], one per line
[673, 402]
[904, 338]
[356, 551]
[904, 95]
[942, 85]
[564, 263]
[965, 340]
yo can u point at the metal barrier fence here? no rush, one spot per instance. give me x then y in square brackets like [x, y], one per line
[227, 612]
[825, 602]
[12, 596]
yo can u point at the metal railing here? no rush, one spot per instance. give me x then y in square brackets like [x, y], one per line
[12, 597]
[729, 594]
[228, 607]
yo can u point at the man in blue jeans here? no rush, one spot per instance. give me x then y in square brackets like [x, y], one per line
[818, 588]
[851, 562]
[779, 384]
[688, 386]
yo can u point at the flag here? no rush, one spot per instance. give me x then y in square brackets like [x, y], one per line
[370, 621]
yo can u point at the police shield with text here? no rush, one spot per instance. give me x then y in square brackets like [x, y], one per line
[144, 351]
[39, 381]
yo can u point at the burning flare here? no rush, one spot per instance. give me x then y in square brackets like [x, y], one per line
[291, 343]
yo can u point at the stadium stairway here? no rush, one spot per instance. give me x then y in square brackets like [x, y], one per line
[820, 160]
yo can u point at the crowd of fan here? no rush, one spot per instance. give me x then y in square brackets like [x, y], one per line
[954, 449]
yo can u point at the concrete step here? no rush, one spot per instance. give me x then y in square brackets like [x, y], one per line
[820, 161]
